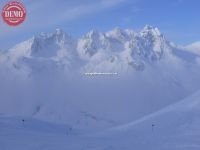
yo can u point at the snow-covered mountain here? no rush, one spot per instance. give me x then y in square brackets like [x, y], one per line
[116, 50]
[44, 46]
[123, 49]
[44, 77]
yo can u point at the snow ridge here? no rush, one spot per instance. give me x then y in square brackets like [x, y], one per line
[95, 50]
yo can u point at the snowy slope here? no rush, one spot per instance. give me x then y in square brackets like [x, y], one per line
[176, 127]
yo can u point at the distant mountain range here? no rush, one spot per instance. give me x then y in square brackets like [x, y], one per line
[116, 50]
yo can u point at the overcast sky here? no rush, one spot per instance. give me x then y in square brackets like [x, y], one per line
[177, 19]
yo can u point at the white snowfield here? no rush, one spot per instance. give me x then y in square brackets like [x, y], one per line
[176, 127]
[118, 90]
